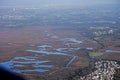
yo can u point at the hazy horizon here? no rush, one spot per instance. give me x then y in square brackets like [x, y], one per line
[54, 3]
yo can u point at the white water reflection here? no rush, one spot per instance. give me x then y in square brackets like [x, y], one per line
[72, 40]
[43, 66]
[72, 49]
[90, 48]
[26, 58]
[114, 51]
[43, 47]
[35, 64]
[67, 49]
[19, 65]
[30, 70]
[30, 62]
[46, 52]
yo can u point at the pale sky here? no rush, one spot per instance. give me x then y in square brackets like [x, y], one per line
[41, 3]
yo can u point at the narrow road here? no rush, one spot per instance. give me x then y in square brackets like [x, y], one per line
[71, 61]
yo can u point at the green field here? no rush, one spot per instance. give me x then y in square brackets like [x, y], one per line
[94, 54]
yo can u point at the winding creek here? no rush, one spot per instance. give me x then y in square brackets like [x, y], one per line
[37, 65]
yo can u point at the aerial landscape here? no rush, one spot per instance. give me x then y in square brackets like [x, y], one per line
[61, 41]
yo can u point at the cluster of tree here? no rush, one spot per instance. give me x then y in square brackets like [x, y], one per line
[117, 75]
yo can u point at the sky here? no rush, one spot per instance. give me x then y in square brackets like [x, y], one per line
[42, 3]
